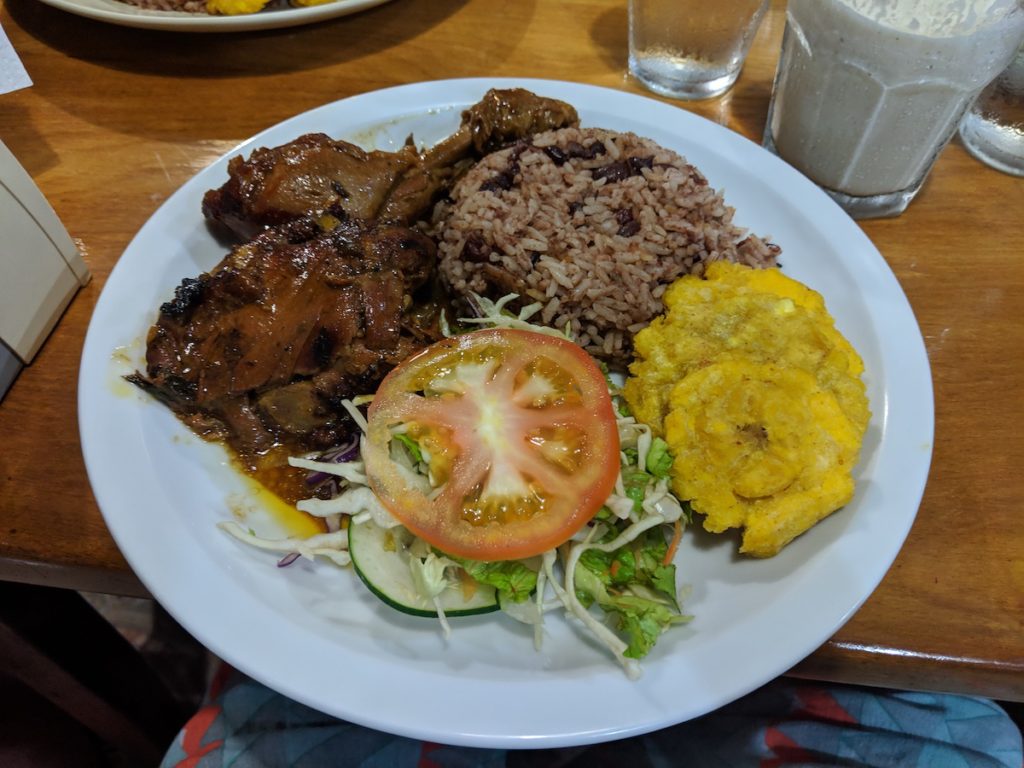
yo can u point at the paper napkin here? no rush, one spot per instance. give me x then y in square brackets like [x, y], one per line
[12, 72]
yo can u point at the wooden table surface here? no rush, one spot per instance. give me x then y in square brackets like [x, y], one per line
[119, 118]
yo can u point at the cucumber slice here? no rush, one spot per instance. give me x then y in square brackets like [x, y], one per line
[381, 558]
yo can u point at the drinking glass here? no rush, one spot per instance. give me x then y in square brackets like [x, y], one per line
[868, 92]
[691, 49]
[993, 128]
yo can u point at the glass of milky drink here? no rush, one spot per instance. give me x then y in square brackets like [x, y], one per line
[868, 92]
[691, 49]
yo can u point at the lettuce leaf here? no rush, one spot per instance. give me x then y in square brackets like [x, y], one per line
[640, 619]
[513, 580]
[639, 563]
[635, 483]
[659, 459]
[636, 480]
[411, 446]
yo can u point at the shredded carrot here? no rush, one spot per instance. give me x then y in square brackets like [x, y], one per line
[613, 569]
[468, 584]
[677, 534]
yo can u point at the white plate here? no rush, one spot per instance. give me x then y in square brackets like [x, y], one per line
[125, 15]
[314, 633]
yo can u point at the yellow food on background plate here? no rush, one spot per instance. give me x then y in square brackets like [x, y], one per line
[759, 397]
[242, 7]
[234, 7]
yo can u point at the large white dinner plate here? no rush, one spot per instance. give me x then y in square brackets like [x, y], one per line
[314, 633]
[125, 15]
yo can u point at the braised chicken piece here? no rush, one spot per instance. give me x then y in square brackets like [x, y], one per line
[262, 349]
[319, 305]
[311, 173]
[504, 117]
[314, 171]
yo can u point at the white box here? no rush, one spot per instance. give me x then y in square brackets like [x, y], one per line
[40, 268]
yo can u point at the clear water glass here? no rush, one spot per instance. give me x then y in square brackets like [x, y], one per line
[993, 128]
[691, 49]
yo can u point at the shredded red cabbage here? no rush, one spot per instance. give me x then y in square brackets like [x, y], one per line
[338, 455]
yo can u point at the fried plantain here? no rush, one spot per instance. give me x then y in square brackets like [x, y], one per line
[760, 398]
[762, 447]
[738, 312]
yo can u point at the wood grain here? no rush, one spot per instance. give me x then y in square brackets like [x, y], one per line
[119, 118]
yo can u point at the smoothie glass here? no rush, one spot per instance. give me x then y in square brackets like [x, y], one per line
[868, 92]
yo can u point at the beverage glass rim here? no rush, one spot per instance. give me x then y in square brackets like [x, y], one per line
[1006, 11]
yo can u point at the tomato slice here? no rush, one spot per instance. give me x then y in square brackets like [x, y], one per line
[519, 434]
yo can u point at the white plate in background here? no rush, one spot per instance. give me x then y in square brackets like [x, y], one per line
[125, 15]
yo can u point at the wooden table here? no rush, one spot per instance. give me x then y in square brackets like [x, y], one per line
[118, 118]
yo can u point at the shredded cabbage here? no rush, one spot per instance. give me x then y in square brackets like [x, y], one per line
[567, 577]
[333, 546]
